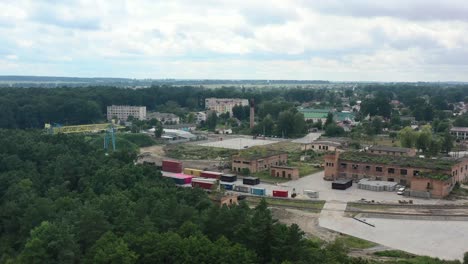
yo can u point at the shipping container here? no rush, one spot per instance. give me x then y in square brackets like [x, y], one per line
[251, 180]
[193, 172]
[280, 193]
[342, 184]
[258, 191]
[228, 177]
[180, 179]
[241, 188]
[203, 183]
[228, 186]
[211, 174]
[172, 166]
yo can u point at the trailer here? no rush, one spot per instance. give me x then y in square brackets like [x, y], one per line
[227, 186]
[211, 174]
[172, 166]
[206, 184]
[241, 188]
[342, 184]
[228, 177]
[280, 193]
[251, 180]
[193, 172]
[180, 178]
[258, 191]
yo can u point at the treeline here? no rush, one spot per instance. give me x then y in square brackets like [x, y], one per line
[62, 200]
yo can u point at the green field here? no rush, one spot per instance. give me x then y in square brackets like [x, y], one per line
[355, 243]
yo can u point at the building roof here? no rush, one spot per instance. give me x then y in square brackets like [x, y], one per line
[414, 162]
[314, 115]
[284, 167]
[342, 116]
[327, 143]
[459, 129]
[390, 149]
[178, 133]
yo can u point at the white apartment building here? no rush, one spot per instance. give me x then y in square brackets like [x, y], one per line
[223, 105]
[459, 132]
[122, 112]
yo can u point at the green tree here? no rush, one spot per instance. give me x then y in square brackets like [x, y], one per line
[329, 119]
[424, 138]
[211, 121]
[111, 249]
[50, 243]
[408, 137]
[159, 130]
[447, 142]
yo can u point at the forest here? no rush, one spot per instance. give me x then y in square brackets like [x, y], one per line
[64, 201]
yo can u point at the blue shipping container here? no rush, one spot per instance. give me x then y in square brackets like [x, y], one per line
[228, 186]
[258, 191]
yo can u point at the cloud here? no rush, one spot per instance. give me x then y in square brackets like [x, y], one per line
[294, 39]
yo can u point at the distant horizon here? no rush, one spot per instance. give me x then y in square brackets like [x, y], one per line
[2, 77]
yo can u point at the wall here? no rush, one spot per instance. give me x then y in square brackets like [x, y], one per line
[260, 164]
[285, 172]
[437, 188]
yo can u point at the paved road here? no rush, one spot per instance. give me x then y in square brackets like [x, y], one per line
[442, 239]
[309, 138]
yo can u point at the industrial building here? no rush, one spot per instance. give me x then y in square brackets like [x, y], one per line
[291, 173]
[436, 177]
[323, 146]
[224, 105]
[255, 162]
[460, 133]
[165, 118]
[122, 112]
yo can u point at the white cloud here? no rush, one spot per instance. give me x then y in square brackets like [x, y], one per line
[296, 39]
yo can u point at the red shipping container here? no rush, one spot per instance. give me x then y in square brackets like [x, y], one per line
[278, 193]
[203, 183]
[211, 174]
[187, 178]
[172, 166]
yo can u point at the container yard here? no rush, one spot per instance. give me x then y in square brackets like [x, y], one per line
[280, 193]
[251, 181]
[342, 184]
[228, 177]
[193, 172]
[258, 191]
[206, 184]
[172, 166]
[211, 174]
[377, 186]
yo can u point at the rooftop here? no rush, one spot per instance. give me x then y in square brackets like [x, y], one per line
[327, 143]
[459, 129]
[435, 175]
[389, 148]
[256, 153]
[362, 157]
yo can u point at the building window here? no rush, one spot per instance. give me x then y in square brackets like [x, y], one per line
[403, 172]
[367, 167]
[391, 170]
[390, 179]
[378, 169]
[415, 173]
[355, 166]
[378, 178]
[343, 165]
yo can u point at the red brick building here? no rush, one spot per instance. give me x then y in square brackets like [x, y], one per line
[437, 176]
[256, 162]
[291, 173]
[393, 151]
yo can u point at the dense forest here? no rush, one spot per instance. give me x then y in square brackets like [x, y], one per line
[64, 201]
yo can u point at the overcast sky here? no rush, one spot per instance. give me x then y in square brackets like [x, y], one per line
[374, 40]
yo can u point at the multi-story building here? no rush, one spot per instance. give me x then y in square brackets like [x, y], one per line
[122, 112]
[436, 176]
[165, 118]
[393, 151]
[459, 132]
[256, 162]
[224, 105]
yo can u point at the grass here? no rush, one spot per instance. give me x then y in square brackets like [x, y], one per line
[394, 254]
[305, 168]
[196, 152]
[355, 243]
[306, 204]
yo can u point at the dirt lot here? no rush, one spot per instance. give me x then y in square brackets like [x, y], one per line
[307, 221]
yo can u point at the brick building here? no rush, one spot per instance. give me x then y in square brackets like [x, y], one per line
[291, 173]
[437, 176]
[122, 112]
[256, 162]
[323, 146]
[393, 151]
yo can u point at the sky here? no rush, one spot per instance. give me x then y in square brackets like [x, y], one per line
[336, 40]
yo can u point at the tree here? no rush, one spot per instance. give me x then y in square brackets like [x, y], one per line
[408, 137]
[424, 138]
[111, 249]
[377, 125]
[159, 130]
[329, 119]
[50, 243]
[333, 130]
[211, 121]
[447, 142]
[191, 118]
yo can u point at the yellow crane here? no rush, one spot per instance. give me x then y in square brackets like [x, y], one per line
[89, 128]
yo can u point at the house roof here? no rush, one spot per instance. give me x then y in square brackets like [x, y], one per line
[414, 162]
[327, 143]
[390, 149]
